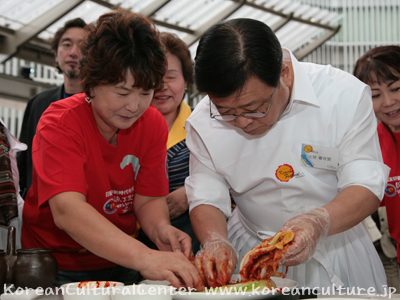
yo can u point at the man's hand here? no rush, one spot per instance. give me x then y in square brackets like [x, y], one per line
[309, 228]
[216, 262]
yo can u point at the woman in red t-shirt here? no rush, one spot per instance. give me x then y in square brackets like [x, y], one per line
[380, 69]
[99, 165]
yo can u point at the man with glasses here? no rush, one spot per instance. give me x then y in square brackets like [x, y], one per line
[295, 145]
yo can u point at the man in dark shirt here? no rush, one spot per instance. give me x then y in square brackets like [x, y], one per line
[65, 45]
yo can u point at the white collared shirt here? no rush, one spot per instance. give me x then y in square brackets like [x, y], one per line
[328, 108]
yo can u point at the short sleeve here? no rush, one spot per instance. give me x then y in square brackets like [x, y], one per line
[59, 161]
[152, 180]
[204, 185]
[360, 154]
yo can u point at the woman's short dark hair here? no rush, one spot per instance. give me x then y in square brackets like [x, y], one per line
[122, 41]
[74, 23]
[381, 62]
[231, 52]
[177, 47]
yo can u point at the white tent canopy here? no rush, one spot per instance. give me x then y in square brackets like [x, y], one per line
[26, 26]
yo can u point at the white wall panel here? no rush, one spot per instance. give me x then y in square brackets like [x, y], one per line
[365, 24]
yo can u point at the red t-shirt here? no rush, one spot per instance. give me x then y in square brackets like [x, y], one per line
[70, 154]
[391, 157]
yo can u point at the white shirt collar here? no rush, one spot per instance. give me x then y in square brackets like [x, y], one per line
[302, 88]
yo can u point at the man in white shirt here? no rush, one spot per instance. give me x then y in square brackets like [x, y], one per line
[295, 144]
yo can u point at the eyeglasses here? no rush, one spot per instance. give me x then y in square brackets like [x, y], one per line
[249, 115]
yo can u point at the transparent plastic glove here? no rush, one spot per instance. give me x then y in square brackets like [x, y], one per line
[311, 229]
[216, 261]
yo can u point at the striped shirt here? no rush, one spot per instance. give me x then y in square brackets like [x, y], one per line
[178, 152]
[178, 165]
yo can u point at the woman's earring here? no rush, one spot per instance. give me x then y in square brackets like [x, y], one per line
[88, 100]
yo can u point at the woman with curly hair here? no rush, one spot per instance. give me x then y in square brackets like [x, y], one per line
[99, 165]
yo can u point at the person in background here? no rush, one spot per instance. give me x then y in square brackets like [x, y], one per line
[99, 165]
[65, 45]
[380, 69]
[295, 144]
[169, 101]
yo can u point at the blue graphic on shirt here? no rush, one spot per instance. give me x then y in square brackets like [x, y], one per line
[131, 159]
[110, 207]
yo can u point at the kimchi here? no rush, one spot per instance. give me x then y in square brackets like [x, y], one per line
[262, 262]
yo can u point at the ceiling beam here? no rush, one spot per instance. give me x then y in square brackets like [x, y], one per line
[148, 11]
[174, 27]
[155, 6]
[5, 31]
[283, 15]
[36, 50]
[104, 3]
[281, 23]
[237, 4]
[12, 42]
[303, 52]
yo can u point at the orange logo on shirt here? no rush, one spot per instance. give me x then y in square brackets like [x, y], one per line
[308, 148]
[284, 173]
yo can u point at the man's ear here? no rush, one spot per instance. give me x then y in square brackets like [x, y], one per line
[286, 75]
[55, 55]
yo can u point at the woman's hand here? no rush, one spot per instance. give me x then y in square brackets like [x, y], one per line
[153, 216]
[217, 261]
[170, 238]
[177, 203]
[310, 229]
[174, 267]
